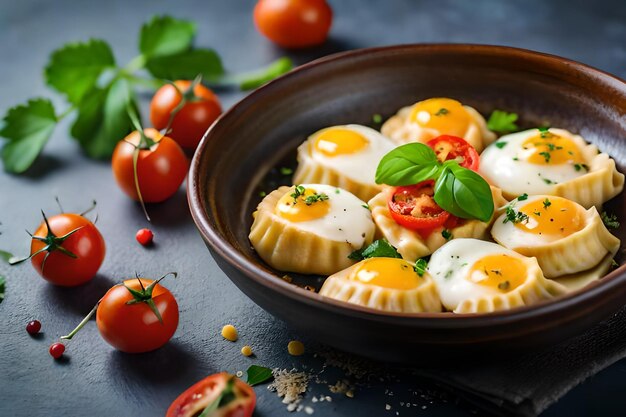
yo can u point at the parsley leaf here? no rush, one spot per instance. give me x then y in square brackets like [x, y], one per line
[447, 235]
[164, 35]
[609, 220]
[103, 119]
[75, 68]
[187, 65]
[258, 374]
[502, 122]
[28, 127]
[311, 199]
[514, 217]
[522, 197]
[378, 249]
[420, 266]
[2, 287]
[546, 203]
[500, 144]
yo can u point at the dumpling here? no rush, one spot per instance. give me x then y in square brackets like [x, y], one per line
[343, 156]
[310, 228]
[387, 284]
[430, 118]
[554, 162]
[563, 236]
[475, 276]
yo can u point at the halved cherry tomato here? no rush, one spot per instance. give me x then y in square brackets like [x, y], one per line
[294, 23]
[129, 323]
[226, 394]
[451, 147]
[160, 169]
[414, 207]
[75, 249]
[192, 120]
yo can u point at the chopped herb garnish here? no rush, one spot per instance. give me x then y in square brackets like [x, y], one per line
[449, 274]
[337, 191]
[286, 171]
[311, 199]
[614, 264]
[442, 112]
[503, 122]
[377, 118]
[262, 193]
[522, 197]
[365, 206]
[546, 156]
[537, 213]
[378, 249]
[514, 217]
[515, 158]
[501, 145]
[545, 132]
[505, 285]
[579, 167]
[447, 235]
[547, 181]
[297, 192]
[609, 220]
[420, 266]
[546, 203]
[258, 374]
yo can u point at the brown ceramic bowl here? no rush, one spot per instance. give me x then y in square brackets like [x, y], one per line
[264, 129]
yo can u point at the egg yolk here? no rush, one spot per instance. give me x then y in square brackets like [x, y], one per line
[501, 271]
[298, 209]
[446, 116]
[335, 142]
[552, 216]
[391, 273]
[547, 148]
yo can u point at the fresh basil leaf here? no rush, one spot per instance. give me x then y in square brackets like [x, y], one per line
[75, 68]
[502, 122]
[258, 374]
[164, 35]
[3, 282]
[255, 79]
[408, 164]
[378, 249]
[28, 127]
[465, 194]
[103, 119]
[186, 65]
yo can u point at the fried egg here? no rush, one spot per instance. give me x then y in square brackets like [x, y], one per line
[473, 275]
[353, 151]
[534, 161]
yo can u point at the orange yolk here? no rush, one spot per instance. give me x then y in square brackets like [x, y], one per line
[502, 272]
[297, 210]
[446, 116]
[552, 216]
[547, 148]
[391, 273]
[336, 141]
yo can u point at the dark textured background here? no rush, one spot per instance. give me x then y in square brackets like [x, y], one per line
[96, 380]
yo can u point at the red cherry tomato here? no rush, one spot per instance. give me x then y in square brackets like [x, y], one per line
[135, 327]
[451, 147]
[57, 265]
[144, 236]
[192, 120]
[160, 169]
[294, 23]
[214, 388]
[414, 207]
[56, 350]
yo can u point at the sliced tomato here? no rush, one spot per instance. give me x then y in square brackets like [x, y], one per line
[451, 147]
[415, 208]
[223, 394]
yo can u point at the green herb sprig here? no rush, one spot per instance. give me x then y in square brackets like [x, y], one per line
[458, 190]
[99, 91]
[609, 220]
[502, 122]
[378, 249]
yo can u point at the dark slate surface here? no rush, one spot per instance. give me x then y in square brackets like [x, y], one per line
[94, 379]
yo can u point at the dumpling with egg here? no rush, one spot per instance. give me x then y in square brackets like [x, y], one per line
[554, 162]
[343, 156]
[563, 236]
[475, 276]
[310, 228]
[433, 117]
[387, 284]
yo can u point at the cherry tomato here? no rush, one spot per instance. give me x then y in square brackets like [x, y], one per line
[192, 120]
[144, 236]
[217, 387]
[451, 147]
[56, 350]
[414, 207]
[33, 327]
[70, 261]
[294, 23]
[160, 169]
[135, 327]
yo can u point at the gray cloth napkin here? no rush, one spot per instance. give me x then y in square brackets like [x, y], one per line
[529, 383]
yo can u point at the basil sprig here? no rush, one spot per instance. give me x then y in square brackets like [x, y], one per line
[458, 190]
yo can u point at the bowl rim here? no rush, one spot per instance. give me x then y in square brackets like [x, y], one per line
[273, 282]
